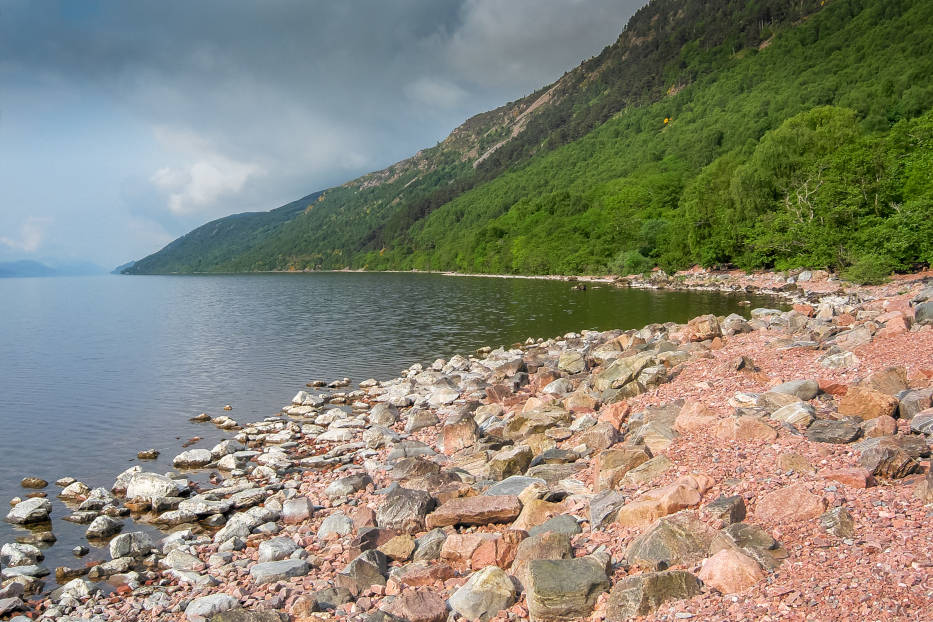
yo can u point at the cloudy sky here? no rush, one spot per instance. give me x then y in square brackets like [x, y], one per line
[124, 124]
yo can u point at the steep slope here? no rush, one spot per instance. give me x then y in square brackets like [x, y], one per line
[219, 241]
[632, 158]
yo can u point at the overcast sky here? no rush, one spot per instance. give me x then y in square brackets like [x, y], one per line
[126, 124]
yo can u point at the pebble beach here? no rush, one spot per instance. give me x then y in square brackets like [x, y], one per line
[768, 467]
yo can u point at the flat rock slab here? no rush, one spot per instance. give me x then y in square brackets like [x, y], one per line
[480, 510]
[269, 572]
[513, 485]
[34, 510]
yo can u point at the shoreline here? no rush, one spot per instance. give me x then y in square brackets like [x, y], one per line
[283, 467]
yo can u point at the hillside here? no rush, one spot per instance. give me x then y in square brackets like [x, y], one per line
[757, 134]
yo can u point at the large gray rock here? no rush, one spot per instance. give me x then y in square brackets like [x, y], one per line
[337, 523]
[564, 589]
[276, 549]
[150, 486]
[680, 538]
[604, 505]
[177, 559]
[14, 554]
[269, 572]
[204, 608]
[642, 594]
[346, 486]
[103, 527]
[203, 505]
[35, 510]
[803, 389]
[404, 509]
[910, 403]
[193, 459]
[923, 313]
[133, 544]
[485, 594]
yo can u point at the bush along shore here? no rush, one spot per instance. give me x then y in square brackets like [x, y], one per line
[768, 468]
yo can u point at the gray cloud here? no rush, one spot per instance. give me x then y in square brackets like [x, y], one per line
[238, 105]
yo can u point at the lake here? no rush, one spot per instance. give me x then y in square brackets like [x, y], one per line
[95, 369]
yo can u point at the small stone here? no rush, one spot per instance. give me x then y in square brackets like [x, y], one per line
[727, 509]
[839, 522]
[133, 544]
[33, 482]
[148, 454]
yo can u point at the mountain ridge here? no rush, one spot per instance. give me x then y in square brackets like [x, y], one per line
[668, 50]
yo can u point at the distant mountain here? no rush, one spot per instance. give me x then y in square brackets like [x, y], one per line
[24, 267]
[766, 134]
[123, 267]
[30, 268]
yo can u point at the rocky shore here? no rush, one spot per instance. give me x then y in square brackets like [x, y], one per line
[771, 468]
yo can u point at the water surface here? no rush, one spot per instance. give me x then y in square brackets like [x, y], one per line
[94, 369]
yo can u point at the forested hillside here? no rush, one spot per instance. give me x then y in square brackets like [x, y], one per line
[758, 134]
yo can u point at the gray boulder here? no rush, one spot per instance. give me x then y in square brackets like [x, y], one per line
[269, 572]
[36, 510]
[276, 549]
[564, 588]
[204, 608]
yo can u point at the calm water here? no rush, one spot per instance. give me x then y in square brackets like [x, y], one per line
[94, 369]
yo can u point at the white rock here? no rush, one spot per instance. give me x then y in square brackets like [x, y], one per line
[150, 486]
[76, 490]
[204, 608]
[276, 549]
[193, 458]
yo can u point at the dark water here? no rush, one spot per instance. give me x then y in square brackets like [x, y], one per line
[94, 369]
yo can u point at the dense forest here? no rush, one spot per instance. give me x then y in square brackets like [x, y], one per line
[761, 134]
